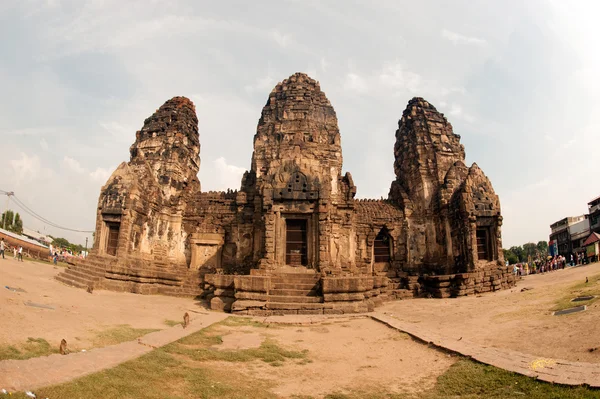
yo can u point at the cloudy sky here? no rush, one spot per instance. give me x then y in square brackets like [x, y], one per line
[518, 81]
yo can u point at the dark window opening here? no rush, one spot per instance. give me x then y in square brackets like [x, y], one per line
[483, 244]
[382, 247]
[113, 238]
[296, 246]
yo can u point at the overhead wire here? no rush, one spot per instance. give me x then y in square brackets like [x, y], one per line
[37, 216]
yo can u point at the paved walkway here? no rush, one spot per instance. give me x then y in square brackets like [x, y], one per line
[22, 375]
[544, 369]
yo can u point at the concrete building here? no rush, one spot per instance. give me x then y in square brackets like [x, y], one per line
[594, 215]
[568, 234]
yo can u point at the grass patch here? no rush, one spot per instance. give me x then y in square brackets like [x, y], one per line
[118, 334]
[592, 287]
[172, 323]
[268, 352]
[33, 347]
[469, 380]
[158, 375]
[236, 321]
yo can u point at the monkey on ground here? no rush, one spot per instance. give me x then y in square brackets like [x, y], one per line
[90, 289]
[63, 347]
[186, 320]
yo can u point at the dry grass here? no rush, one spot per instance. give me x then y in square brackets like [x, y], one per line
[172, 323]
[33, 347]
[36, 347]
[592, 287]
[119, 334]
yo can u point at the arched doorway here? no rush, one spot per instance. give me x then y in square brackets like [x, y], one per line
[382, 247]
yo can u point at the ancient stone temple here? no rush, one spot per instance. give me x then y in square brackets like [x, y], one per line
[293, 239]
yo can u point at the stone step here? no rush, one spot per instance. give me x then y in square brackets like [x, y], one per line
[68, 281]
[297, 306]
[82, 278]
[77, 275]
[294, 292]
[83, 274]
[295, 286]
[294, 299]
[90, 268]
[296, 281]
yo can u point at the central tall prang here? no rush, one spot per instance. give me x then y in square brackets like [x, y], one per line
[293, 239]
[296, 177]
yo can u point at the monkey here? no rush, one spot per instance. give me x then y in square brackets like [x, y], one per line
[586, 280]
[63, 347]
[186, 320]
[90, 289]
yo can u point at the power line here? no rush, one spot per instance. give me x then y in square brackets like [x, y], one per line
[35, 215]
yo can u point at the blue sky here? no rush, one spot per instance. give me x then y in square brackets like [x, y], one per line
[517, 80]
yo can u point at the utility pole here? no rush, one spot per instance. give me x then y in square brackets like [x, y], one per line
[86, 246]
[8, 194]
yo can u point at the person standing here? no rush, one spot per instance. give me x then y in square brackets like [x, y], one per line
[15, 252]
[2, 247]
[20, 253]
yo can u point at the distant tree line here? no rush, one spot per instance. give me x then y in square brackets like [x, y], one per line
[59, 242]
[522, 253]
[12, 222]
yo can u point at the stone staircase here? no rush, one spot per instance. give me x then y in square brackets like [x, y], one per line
[85, 273]
[102, 272]
[288, 293]
[297, 288]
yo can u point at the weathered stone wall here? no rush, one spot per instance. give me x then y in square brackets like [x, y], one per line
[462, 284]
[162, 234]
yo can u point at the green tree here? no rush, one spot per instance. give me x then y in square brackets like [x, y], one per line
[60, 242]
[510, 257]
[18, 224]
[519, 252]
[530, 249]
[542, 249]
[12, 222]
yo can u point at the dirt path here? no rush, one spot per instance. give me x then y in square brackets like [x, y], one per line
[76, 315]
[346, 356]
[512, 319]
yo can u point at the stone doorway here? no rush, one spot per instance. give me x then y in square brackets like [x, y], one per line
[113, 238]
[483, 244]
[296, 242]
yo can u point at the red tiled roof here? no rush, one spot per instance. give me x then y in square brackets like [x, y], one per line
[592, 239]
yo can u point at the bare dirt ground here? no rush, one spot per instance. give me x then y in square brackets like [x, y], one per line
[345, 356]
[516, 320]
[77, 315]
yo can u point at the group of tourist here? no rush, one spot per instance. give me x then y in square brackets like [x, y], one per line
[551, 264]
[17, 251]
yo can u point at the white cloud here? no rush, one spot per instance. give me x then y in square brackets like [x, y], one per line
[101, 175]
[44, 144]
[282, 39]
[457, 38]
[397, 76]
[456, 111]
[26, 168]
[230, 176]
[355, 82]
[262, 85]
[324, 64]
[119, 132]
[73, 165]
